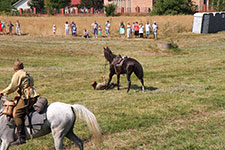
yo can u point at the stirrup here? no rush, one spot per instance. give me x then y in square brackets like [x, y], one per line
[18, 142]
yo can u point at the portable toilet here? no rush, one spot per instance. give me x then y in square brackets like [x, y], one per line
[197, 23]
[208, 22]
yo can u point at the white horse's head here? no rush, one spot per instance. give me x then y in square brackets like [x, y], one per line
[2, 100]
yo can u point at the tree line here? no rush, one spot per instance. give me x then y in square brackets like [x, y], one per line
[161, 7]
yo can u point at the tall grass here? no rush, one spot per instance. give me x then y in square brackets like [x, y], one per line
[43, 25]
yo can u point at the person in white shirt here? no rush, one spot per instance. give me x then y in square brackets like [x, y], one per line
[54, 29]
[67, 27]
[86, 35]
[147, 29]
[107, 27]
[128, 30]
[18, 32]
[155, 29]
[141, 30]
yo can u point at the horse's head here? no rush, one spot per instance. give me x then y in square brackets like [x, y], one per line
[108, 54]
[2, 100]
[117, 60]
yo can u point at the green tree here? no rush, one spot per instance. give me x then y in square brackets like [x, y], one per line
[60, 3]
[173, 7]
[218, 5]
[5, 5]
[38, 4]
[96, 4]
[13, 1]
[110, 9]
[48, 7]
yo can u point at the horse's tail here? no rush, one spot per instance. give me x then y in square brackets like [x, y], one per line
[139, 70]
[86, 115]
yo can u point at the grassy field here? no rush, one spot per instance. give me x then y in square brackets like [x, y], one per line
[182, 107]
[43, 25]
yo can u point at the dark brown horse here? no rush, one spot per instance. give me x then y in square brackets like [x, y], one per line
[119, 65]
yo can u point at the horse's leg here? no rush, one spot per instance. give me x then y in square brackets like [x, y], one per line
[70, 135]
[142, 83]
[140, 77]
[118, 81]
[5, 145]
[58, 136]
[129, 81]
[110, 78]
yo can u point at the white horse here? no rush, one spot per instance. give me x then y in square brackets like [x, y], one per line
[60, 121]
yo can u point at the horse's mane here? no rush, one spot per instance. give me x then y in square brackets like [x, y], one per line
[108, 54]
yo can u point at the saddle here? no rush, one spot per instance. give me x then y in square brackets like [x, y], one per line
[118, 65]
[34, 119]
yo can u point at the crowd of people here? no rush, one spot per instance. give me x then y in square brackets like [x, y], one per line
[3, 29]
[136, 30]
[129, 30]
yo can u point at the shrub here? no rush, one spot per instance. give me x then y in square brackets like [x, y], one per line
[110, 9]
[173, 7]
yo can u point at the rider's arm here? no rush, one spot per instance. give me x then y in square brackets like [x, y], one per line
[13, 86]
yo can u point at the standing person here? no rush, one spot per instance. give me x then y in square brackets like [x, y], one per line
[128, 30]
[133, 29]
[3, 28]
[122, 30]
[10, 25]
[54, 29]
[94, 26]
[18, 31]
[71, 25]
[147, 29]
[23, 83]
[107, 27]
[0, 26]
[155, 29]
[141, 30]
[136, 29]
[67, 27]
[99, 31]
[74, 30]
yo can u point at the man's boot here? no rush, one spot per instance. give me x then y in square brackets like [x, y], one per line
[21, 136]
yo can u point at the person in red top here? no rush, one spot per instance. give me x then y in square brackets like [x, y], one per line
[136, 28]
[0, 26]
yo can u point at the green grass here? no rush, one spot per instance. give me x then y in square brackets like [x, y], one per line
[182, 107]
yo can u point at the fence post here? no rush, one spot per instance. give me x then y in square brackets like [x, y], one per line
[21, 11]
[77, 11]
[54, 11]
[92, 10]
[73, 11]
[122, 10]
[35, 11]
[62, 11]
[137, 10]
[204, 7]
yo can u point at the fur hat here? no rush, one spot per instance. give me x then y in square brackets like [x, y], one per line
[18, 64]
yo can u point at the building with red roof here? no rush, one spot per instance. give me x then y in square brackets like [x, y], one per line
[75, 3]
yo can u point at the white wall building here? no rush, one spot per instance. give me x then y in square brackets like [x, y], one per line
[21, 4]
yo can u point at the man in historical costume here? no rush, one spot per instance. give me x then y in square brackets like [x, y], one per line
[23, 83]
[102, 85]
